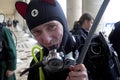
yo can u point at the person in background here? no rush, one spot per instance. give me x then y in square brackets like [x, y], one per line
[47, 23]
[85, 22]
[9, 22]
[83, 25]
[15, 22]
[8, 56]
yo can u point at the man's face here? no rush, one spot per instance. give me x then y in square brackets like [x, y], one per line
[49, 33]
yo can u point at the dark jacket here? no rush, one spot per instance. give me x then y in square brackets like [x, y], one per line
[78, 30]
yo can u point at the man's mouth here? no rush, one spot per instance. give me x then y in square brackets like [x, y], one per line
[53, 47]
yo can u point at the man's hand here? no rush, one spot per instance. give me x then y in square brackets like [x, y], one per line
[78, 72]
[9, 73]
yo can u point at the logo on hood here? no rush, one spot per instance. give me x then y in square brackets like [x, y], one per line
[34, 12]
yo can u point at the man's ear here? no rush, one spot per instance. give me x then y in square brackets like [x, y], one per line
[21, 7]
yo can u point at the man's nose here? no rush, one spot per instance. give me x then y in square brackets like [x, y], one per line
[46, 38]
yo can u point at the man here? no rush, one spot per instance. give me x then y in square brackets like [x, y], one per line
[7, 55]
[47, 23]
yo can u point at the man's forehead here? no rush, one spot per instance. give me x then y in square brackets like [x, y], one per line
[50, 23]
[46, 24]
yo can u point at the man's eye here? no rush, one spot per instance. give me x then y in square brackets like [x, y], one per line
[51, 27]
[36, 32]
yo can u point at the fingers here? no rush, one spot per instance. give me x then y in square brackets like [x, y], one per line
[80, 67]
[78, 72]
